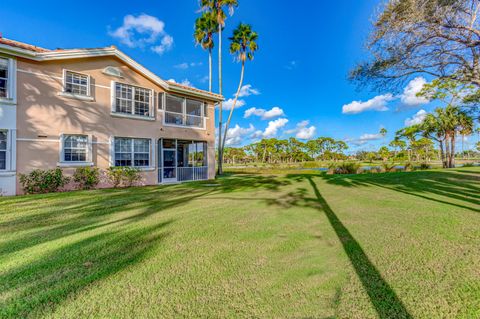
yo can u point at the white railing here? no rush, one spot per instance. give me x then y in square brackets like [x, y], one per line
[192, 173]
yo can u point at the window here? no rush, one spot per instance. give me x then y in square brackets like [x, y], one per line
[132, 100]
[184, 112]
[4, 78]
[75, 148]
[77, 83]
[132, 152]
[3, 150]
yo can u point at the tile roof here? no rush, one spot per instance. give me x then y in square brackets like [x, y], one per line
[22, 45]
[33, 48]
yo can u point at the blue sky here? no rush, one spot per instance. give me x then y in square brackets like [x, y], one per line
[300, 70]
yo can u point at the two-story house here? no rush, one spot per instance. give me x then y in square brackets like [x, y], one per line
[98, 107]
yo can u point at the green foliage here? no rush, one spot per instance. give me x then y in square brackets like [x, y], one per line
[86, 177]
[346, 168]
[424, 166]
[43, 181]
[388, 167]
[469, 164]
[123, 176]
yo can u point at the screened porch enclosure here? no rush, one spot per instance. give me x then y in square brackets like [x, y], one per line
[182, 160]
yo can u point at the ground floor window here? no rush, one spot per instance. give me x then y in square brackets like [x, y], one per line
[3, 150]
[133, 152]
[75, 148]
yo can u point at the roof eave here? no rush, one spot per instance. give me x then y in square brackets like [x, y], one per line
[110, 51]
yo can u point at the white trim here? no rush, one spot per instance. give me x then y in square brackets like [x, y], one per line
[74, 164]
[132, 116]
[132, 152]
[23, 139]
[151, 106]
[7, 173]
[184, 113]
[55, 77]
[11, 81]
[76, 97]
[64, 73]
[110, 51]
[61, 151]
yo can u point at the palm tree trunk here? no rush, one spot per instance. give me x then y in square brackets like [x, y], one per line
[447, 150]
[220, 107]
[210, 69]
[452, 151]
[442, 154]
[233, 106]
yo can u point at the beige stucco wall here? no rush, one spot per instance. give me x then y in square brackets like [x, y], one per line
[43, 115]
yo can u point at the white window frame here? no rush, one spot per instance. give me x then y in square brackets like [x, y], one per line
[113, 98]
[74, 94]
[184, 113]
[11, 81]
[132, 152]
[6, 151]
[87, 162]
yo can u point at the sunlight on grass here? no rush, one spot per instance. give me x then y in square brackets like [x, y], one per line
[401, 245]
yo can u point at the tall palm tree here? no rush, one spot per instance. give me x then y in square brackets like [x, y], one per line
[243, 45]
[216, 7]
[205, 27]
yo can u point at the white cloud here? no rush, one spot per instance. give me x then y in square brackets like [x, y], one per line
[291, 65]
[274, 126]
[236, 134]
[185, 82]
[185, 65]
[409, 96]
[365, 138]
[165, 45]
[303, 131]
[181, 66]
[247, 90]
[228, 104]
[264, 114]
[416, 119]
[142, 30]
[378, 103]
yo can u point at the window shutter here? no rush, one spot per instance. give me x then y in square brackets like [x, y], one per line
[112, 150]
[89, 149]
[160, 100]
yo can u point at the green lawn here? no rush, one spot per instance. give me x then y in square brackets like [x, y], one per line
[396, 245]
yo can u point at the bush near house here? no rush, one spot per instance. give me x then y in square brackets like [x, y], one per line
[43, 181]
[123, 176]
[86, 177]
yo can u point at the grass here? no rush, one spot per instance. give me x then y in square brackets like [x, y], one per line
[394, 245]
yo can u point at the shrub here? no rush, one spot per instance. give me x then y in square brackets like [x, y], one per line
[86, 177]
[423, 166]
[470, 164]
[130, 176]
[347, 168]
[43, 181]
[388, 167]
[125, 176]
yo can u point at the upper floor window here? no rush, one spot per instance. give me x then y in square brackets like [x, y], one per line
[133, 152]
[4, 78]
[184, 112]
[77, 83]
[3, 150]
[133, 100]
[75, 148]
[7, 79]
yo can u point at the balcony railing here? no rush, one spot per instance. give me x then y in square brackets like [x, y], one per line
[199, 173]
[184, 119]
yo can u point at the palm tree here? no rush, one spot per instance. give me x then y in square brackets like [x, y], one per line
[243, 45]
[216, 8]
[205, 27]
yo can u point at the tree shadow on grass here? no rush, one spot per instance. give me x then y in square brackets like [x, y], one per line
[382, 296]
[67, 214]
[459, 188]
[38, 287]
